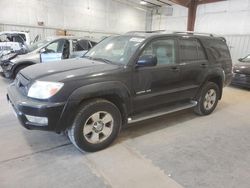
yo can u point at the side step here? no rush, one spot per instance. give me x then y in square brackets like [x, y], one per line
[162, 111]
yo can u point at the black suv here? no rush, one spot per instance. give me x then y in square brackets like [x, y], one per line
[123, 79]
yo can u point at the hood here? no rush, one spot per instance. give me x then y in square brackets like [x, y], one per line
[24, 57]
[66, 69]
[242, 68]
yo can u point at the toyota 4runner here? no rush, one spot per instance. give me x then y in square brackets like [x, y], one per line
[123, 79]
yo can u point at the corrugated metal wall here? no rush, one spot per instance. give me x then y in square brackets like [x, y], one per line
[239, 46]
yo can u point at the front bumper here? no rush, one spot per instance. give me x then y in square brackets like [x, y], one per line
[241, 80]
[23, 106]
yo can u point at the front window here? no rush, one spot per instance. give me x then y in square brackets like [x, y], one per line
[246, 59]
[55, 47]
[118, 49]
[163, 50]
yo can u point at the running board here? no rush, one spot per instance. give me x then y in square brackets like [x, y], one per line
[162, 111]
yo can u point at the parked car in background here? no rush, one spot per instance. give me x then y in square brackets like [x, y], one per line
[123, 79]
[49, 50]
[14, 41]
[241, 72]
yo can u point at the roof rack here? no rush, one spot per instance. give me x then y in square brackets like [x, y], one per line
[177, 32]
[194, 33]
[155, 31]
[173, 32]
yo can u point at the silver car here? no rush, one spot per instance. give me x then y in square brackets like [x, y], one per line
[49, 50]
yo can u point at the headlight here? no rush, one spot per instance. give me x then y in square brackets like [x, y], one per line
[44, 90]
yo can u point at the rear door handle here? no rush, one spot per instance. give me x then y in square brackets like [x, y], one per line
[204, 65]
[175, 69]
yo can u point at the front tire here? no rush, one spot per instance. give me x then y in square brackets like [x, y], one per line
[207, 99]
[96, 125]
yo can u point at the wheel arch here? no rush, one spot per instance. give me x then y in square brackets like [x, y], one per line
[217, 79]
[114, 92]
[20, 64]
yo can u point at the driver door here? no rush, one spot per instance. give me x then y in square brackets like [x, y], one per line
[156, 85]
[53, 52]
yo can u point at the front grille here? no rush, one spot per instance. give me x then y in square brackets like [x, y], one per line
[21, 83]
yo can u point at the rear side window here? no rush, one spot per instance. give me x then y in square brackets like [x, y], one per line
[218, 49]
[191, 50]
[81, 45]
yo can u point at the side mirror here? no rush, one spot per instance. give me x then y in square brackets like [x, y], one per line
[147, 61]
[240, 59]
[43, 50]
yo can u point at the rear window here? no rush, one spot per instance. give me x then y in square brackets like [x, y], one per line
[218, 49]
[191, 50]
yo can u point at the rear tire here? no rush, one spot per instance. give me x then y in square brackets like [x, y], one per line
[96, 125]
[207, 99]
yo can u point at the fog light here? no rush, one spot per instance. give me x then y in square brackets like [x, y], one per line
[42, 121]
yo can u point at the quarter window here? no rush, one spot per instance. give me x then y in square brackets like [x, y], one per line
[164, 50]
[219, 49]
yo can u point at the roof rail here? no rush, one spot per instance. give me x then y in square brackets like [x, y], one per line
[173, 32]
[194, 33]
[203, 34]
[177, 32]
[154, 31]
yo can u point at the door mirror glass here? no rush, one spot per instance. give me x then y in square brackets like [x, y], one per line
[147, 61]
[43, 50]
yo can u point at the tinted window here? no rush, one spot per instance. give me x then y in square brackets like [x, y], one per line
[117, 49]
[188, 50]
[191, 50]
[218, 49]
[93, 43]
[81, 45]
[164, 50]
[201, 53]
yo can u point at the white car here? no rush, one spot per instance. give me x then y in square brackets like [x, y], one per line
[13, 41]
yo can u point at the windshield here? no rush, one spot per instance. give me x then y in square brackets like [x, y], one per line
[118, 49]
[246, 59]
[37, 45]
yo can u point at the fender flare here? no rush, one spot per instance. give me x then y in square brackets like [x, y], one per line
[22, 63]
[214, 73]
[94, 90]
